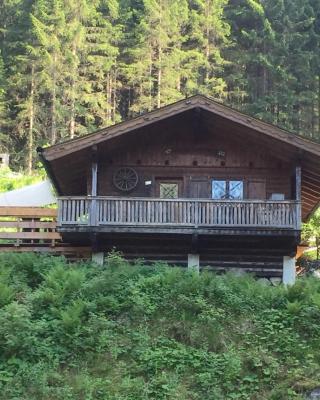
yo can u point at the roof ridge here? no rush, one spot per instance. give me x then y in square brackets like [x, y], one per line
[180, 106]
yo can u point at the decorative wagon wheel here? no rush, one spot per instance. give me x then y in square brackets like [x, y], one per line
[125, 179]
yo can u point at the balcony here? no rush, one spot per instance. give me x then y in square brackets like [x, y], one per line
[119, 214]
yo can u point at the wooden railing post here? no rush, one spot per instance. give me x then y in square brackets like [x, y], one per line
[298, 197]
[196, 213]
[59, 217]
[94, 186]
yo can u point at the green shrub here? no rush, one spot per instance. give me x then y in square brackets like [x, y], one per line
[79, 331]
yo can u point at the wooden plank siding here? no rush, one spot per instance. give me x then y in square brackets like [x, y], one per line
[183, 157]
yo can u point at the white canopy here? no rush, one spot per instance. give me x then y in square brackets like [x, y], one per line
[37, 195]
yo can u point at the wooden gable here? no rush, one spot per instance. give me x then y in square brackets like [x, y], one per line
[189, 123]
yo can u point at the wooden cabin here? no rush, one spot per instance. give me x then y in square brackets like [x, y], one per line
[193, 183]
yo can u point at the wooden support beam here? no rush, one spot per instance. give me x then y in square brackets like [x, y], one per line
[94, 185]
[98, 258]
[94, 171]
[94, 242]
[289, 271]
[194, 262]
[195, 243]
[298, 195]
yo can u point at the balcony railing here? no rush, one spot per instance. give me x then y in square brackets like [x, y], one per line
[119, 211]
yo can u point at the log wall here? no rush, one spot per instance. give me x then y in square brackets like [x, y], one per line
[182, 156]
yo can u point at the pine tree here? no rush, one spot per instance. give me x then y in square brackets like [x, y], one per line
[154, 61]
[2, 99]
[274, 73]
[74, 39]
[68, 67]
[100, 70]
[49, 27]
[20, 80]
[254, 37]
[208, 35]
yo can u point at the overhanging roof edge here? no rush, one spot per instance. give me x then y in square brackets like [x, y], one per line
[70, 146]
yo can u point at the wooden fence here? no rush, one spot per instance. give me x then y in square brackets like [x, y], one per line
[95, 211]
[28, 225]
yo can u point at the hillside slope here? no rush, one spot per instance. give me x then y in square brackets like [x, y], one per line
[132, 332]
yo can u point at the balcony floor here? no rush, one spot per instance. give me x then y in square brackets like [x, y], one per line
[178, 230]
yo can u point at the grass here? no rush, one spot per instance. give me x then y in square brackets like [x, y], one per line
[10, 180]
[79, 331]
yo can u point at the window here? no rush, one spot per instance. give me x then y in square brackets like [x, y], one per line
[168, 190]
[277, 196]
[219, 189]
[224, 189]
[236, 190]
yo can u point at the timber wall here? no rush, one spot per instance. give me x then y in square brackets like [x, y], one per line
[181, 157]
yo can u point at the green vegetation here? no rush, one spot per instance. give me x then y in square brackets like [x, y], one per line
[10, 180]
[68, 67]
[79, 331]
[311, 233]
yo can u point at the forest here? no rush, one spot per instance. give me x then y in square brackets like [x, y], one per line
[69, 67]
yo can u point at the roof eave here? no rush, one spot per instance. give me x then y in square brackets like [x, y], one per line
[77, 144]
[49, 171]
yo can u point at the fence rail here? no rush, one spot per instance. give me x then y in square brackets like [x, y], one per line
[28, 225]
[99, 211]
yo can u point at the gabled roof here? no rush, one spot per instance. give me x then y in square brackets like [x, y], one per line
[197, 101]
[67, 163]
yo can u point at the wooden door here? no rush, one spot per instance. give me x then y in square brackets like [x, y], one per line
[257, 189]
[199, 189]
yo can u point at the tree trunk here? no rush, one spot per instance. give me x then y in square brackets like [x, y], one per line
[72, 120]
[319, 106]
[72, 105]
[150, 80]
[114, 100]
[159, 77]
[53, 104]
[31, 123]
[207, 50]
[108, 98]
[73, 94]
